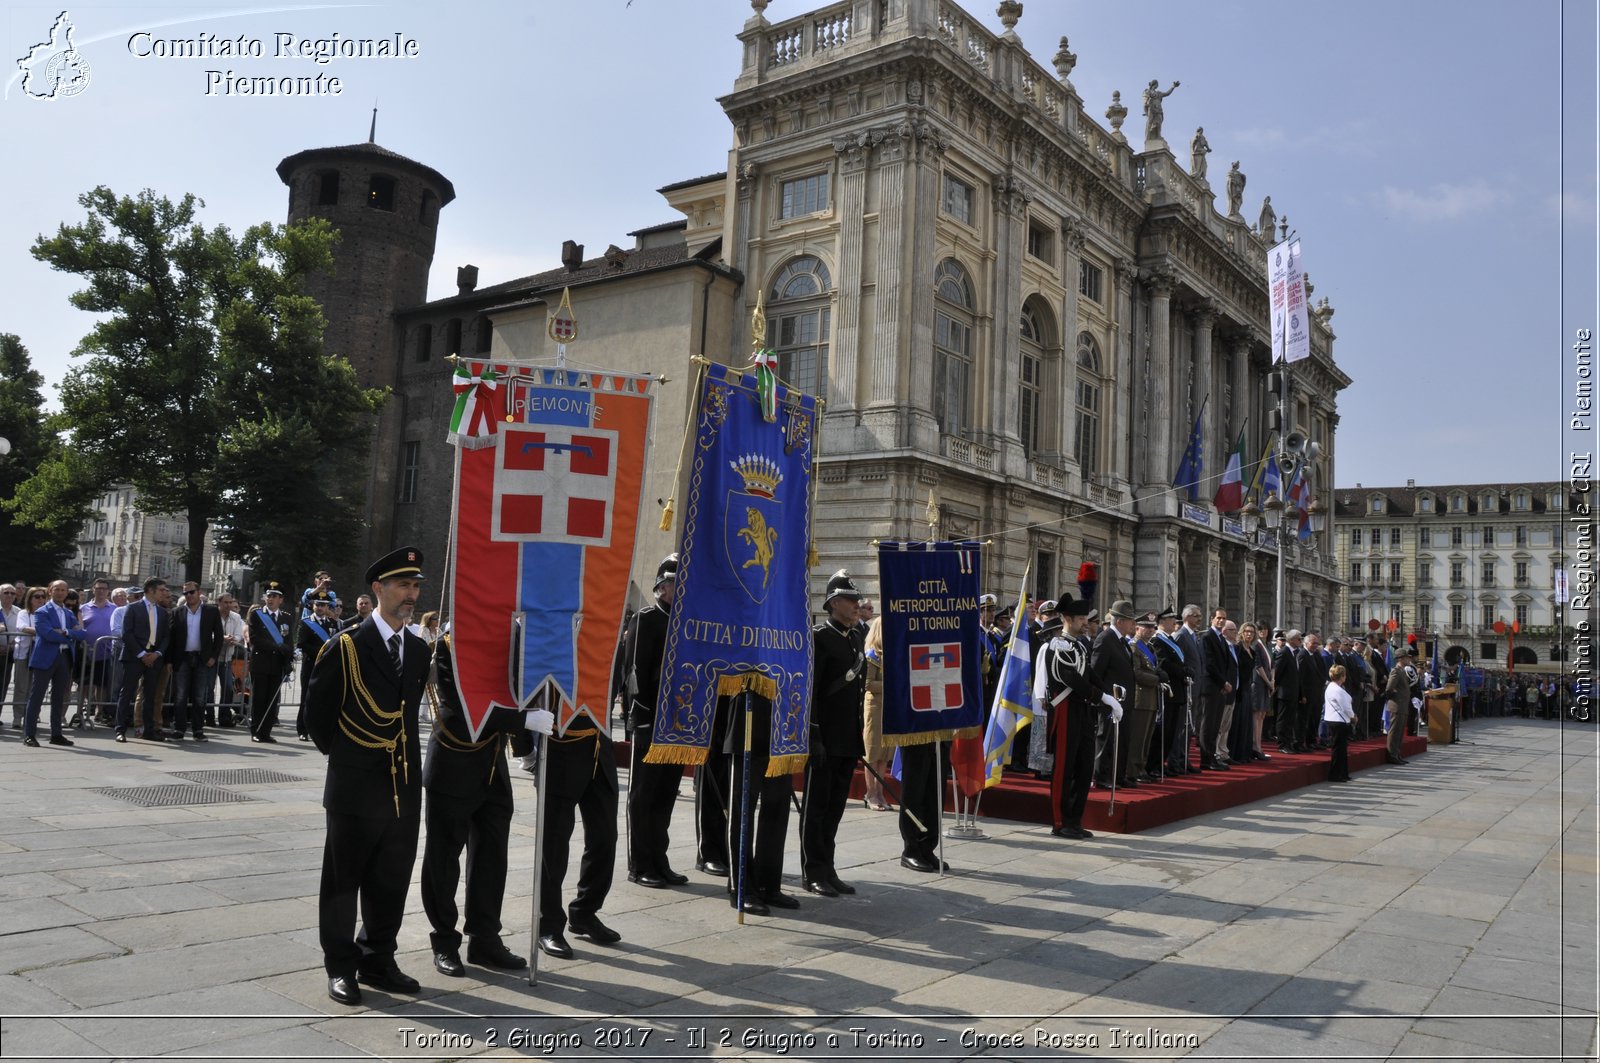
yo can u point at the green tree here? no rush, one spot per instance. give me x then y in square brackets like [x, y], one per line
[35, 540]
[206, 377]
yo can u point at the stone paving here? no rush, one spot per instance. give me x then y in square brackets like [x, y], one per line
[1445, 910]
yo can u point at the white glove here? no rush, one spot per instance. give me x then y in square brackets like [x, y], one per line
[1114, 705]
[540, 721]
[1116, 713]
[1416, 703]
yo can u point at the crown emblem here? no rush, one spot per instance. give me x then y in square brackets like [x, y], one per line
[760, 474]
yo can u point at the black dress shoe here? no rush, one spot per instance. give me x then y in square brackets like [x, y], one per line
[672, 878]
[1217, 765]
[555, 945]
[121, 737]
[448, 962]
[592, 928]
[198, 737]
[61, 740]
[843, 888]
[343, 989]
[712, 868]
[492, 952]
[1069, 831]
[918, 863]
[779, 899]
[821, 888]
[30, 741]
[154, 736]
[648, 881]
[1390, 758]
[1263, 756]
[752, 905]
[390, 979]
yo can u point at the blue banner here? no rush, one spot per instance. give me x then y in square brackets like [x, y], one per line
[741, 619]
[932, 651]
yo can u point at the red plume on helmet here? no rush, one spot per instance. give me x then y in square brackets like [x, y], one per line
[1088, 580]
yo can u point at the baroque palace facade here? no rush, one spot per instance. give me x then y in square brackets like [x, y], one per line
[1009, 309]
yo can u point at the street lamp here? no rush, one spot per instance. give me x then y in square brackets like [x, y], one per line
[5, 446]
[1250, 518]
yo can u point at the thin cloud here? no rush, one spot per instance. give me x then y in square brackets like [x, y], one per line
[1442, 202]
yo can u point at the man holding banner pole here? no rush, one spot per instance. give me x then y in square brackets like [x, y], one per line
[652, 788]
[839, 690]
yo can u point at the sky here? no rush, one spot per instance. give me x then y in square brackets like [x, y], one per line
[1436, 157]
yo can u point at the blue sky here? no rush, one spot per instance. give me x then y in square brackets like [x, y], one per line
[1437, 157]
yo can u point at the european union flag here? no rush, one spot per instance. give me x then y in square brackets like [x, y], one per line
[1192, 467]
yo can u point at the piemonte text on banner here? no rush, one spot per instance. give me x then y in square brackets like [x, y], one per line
[741, 618]
[932, 652]
[548, 483]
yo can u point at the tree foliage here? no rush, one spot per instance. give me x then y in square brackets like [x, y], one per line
[205, 385]
[35, 539]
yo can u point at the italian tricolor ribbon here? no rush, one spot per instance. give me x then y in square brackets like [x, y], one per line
[767, 384]
[472, 424]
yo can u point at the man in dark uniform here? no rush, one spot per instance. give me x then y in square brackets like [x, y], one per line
[1218, 673]
[316, 628]
[764, 824]
[1111, 668]
[1071, 700]
[1174, 745]
[1313, 682]
[469, 806]
[271, 656]
[362, 713]
[1286, 693]
[839, 685]
[652, 788]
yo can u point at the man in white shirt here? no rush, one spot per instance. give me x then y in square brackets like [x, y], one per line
[232, 647]
[9, 616]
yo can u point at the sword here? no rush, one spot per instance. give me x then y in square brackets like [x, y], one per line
[1119, 692]
[885, 784]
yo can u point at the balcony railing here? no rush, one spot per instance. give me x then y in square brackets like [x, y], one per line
[969, 453]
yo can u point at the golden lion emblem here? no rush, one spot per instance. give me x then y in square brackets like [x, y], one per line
[762, 539]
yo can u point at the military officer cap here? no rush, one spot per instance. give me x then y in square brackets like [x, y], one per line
[405, 562]
[667, 571]
[272, 590]
[321, 598]
[988, 600]
[841, 586]
[1167, 614]
[1003, 614]
[1049, 607]
[1093, 613]
[1076, 608]
[1404, 651]
[1146, 620]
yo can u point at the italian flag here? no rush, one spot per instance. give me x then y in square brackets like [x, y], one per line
[1230, 493]
[472, 422]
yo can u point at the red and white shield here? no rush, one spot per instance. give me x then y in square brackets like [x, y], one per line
[554, 484]
[936, 677]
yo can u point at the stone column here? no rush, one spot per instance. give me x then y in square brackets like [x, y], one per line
[1239, 408]
[746, 177]
[1206, 400]
[1119, 465]
[1159, 469]
[1010, 225]
[916, 375]
[1066, 385]
[845, 348]
[889, 329]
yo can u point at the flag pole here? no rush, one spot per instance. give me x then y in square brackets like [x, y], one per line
[938, 768]
[744, 815]
[542, 788]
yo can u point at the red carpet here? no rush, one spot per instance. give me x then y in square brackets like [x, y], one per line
[1022, 797]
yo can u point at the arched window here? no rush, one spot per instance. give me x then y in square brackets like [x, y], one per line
[952, 348]
[1031, 381]
[380, 192]
[452, 336]
[1086, 441]
[800, 316]
[328, 188]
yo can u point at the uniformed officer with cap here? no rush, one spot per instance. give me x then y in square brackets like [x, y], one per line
[839, 686]
[271, 657]
[652, 788]
[316, 628]
[361, 711]
[1072, 699]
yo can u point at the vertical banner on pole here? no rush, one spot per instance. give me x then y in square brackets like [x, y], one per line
[932, 663]
[1286, 287]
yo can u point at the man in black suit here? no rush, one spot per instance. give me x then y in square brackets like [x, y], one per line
[1313, 682]
[196, 643]
[316, 628]
[146, 633]
[271, 657]
[1218, 670]
[1286, 699]
[839, 687]
[1188, 639]
[1175, 714]
[1110, 668]
[469, 806]
[652, 788]
[362, 713]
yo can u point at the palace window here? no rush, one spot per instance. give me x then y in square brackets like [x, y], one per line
[1394, 536]
[801, 316]
[1425, 615]
[1355, 615]
[1355, 536]
[1029, 402]
[1522, 573]
[410, 460]
[952, 341]
[1375, 572]
[1424, 573]
[1522, 535]
[1488, 537]
[1458, 503]
[1455, 617]
[1086, 440]
[803, 195]
[1425, 537]
[1355, 572]
[452, 336]
[1457, 574]
[1425, 504]
[1040, 244]
[1488, 573]
[1522, 614]
[956, 199]
[1091, 281]
[1376, 507]
[1455, 537]
[1520, 501]
[1486, 616]
[484, 332]
[1394, 572]
[424, 341]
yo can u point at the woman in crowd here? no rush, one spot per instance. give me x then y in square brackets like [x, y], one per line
[21, 647]
[1338, 712]
[1260, 680]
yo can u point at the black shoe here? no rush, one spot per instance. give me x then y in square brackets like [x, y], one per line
[844, 888]
[154, 736]
[198, 737]
[918, 863]
[779, 899]
[492, 952]
[1069, 831]
[1390, 758]
[343, 989]
[555, 945]
[1263, 756]
[61, 740]
[448, 962]
[592, 928]
[390, 979]
[304, 738]
[712, 868]
[752, 906]
[121, 737]
[30, 741]
[672, 878]
[821, 887]
[176, 736]
[268, 739]
[648, 881]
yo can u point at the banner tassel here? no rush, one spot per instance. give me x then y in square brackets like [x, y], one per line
[812, 560]
[666, 516]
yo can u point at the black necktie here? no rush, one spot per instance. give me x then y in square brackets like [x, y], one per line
[394, 651]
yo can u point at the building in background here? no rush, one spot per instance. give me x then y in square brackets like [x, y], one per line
[127, 545]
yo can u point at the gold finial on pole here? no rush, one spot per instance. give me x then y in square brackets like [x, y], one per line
[758, 325]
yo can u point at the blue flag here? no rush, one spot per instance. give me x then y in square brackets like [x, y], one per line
[1013, 698]
[1192, 467]
[741, 618]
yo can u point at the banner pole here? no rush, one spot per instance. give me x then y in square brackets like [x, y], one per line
[744, 815]
[541, 789]
[938, 768]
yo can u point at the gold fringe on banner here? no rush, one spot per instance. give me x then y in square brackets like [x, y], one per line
[812, 559]
[923, 738]
[731, 686]
[693, 756]
[789, 764]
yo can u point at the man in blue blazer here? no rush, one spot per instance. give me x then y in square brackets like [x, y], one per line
[55, 628]
[146, 634]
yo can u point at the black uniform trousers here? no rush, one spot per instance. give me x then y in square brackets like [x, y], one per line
[1121, 737]
[264, 689]
[481, 825]
[652, 794]
[759, 821]
[1072, 739]
[580, 780]
[922, 774]
[372, 857]
[827, 793]
[712, 782]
